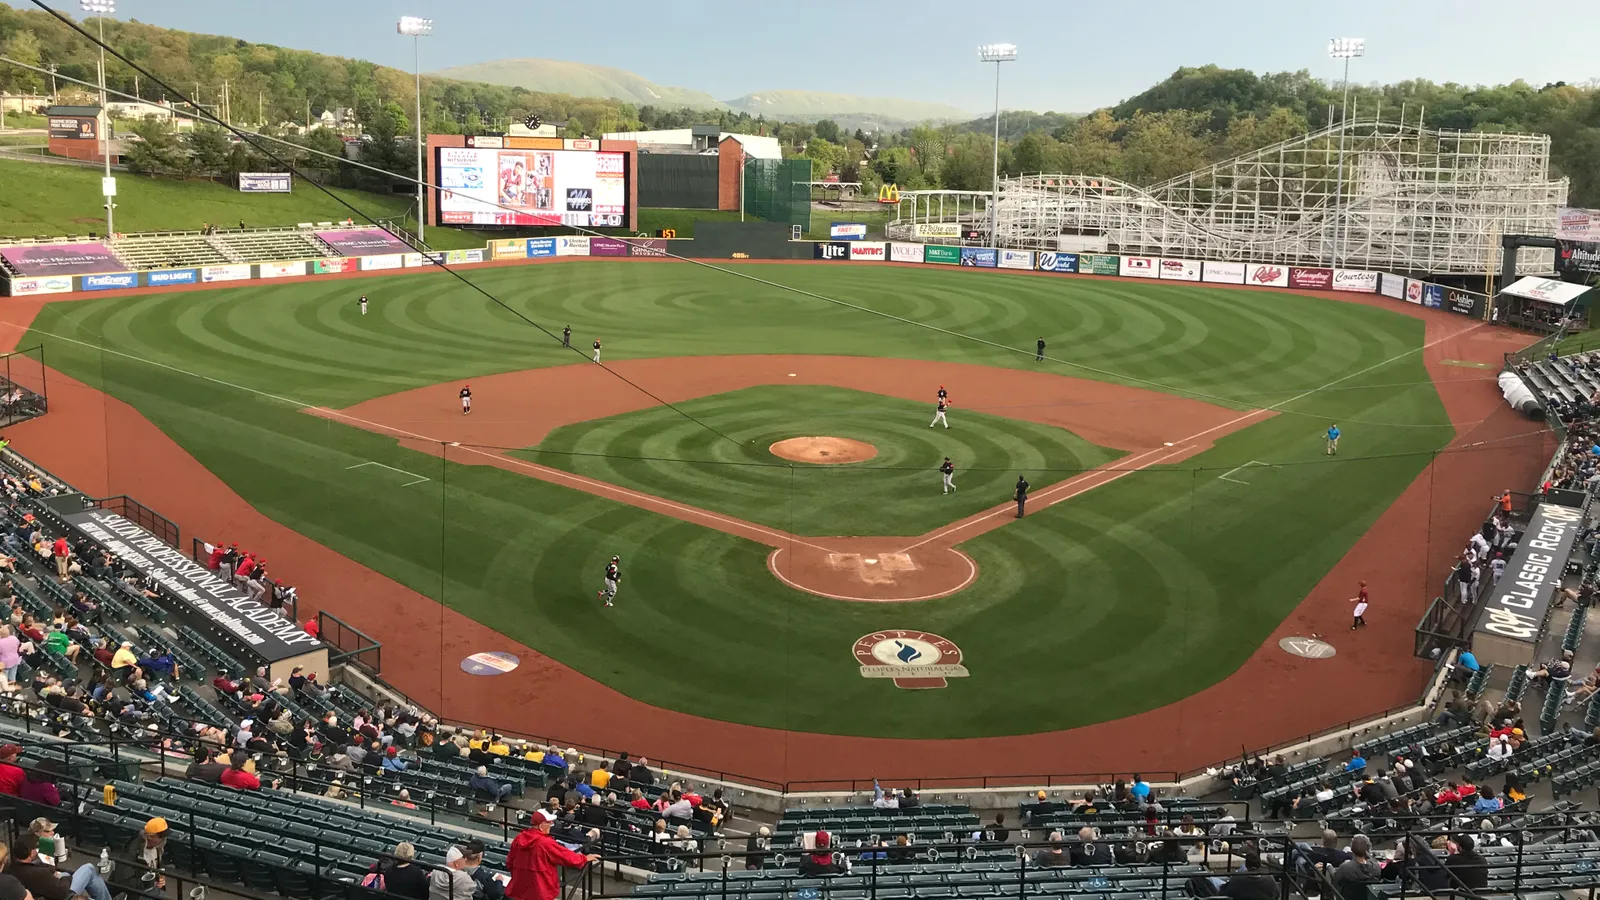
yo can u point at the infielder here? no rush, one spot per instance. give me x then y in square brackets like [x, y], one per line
[566, 336]
[938, 415]
[363, 304]
[613, 575]
[466, 399]
[948, 470]
[1360, 600]
[1333, 439]
[597, 350]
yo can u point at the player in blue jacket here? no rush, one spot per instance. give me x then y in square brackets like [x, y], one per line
[1333, 439]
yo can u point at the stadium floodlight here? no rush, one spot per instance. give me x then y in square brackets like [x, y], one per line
[997, 54]
[417, 28]
[101, 9]
[1345, 49]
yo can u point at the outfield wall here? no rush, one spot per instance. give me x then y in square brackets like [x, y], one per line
[764, 241]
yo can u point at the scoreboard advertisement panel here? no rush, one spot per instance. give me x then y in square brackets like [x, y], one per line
[581, 188]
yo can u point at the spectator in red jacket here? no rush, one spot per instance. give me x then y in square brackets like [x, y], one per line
[214, 559]
[11, 774]
[535, 860]
[236, 777]
[246, 565]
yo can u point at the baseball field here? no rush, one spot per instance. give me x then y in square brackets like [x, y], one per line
[1182, 501]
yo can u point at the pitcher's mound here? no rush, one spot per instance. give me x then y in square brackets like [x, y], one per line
[823, 450]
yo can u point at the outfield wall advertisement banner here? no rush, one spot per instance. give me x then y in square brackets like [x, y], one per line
[1462, 302]
[110, 282]
[657, 247]
[981, 257]
[861, 251]
[1016, 259]
[364, 242]
[1355, 280]
[281, 270]
[941, 254]
[1051, 261]
[1179, 270]
[1268, 275]
[1310, 279]
[474, 255]
[431, 258]
[1433, 296]
[1139, 267]
[62, 259]
[1223, 273]
[334, 265]
[538, 248]
[572, 246]
[1392, 286]
[605, 246]
[171, 276]
[54, 284]
[509, 249]
[1413, 291]
[936, 230]
[847, 231]
[830, 250]
[905, 253]
[378, 263]
[1098, 264]
[213, 274]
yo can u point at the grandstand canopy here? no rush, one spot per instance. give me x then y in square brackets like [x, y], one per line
[1545, 290]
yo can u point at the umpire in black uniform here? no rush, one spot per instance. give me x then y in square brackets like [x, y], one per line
[1022, 494]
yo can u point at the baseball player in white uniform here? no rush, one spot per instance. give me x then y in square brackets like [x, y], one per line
[938, 415]
[612, 577]
[947, 469]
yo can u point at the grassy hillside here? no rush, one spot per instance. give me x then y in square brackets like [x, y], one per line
[811, 105]
[580, 80]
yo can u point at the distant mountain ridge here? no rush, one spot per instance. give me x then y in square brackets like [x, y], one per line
[585, 80]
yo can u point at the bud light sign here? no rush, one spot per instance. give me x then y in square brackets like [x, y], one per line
[172, 276]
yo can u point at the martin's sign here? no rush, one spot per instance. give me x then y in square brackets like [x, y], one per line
[1514, 615]
[198, 592]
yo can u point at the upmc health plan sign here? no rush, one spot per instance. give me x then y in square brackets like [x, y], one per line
[203, 594]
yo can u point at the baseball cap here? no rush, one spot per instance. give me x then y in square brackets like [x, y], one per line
[539, 815]
[452, 855]
[157, 825]
[8, 751]
[41, 825]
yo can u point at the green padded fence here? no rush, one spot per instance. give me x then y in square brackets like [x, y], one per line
[778, 190]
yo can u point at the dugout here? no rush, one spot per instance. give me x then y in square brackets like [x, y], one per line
[1544, 305]
[746, 240]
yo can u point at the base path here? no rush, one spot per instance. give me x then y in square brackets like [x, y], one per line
[105, 448]
[517, 409]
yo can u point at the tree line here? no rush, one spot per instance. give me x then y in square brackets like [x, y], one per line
[1192, 118]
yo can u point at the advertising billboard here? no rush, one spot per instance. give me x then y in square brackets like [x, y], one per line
[936, 230]
[364, 242]
[431, 258]
[1138, 267]
[1310, 279]
[1391, 285]
[81, 128]
[1433, 296]
[906, 253]
[1268, 275]
[1355, 280]
[605, 246]
[1180, 269]
[110, 282]
[1463, 302]
[941, 254]
[983, 257]
[1098, 264]
[657, 247]
[475, 255]
[1413, 291]
[62, 259]
[1050, 261]
[165, 277]
[539, 247]
[572, 245]
[235, 272]
[868, 251]
[847, 231]
[334, 265]
[1223, 272]
[578, 188]
[1016, 259]
[50, 284]
[264, 182]
[281, 270]
[389, 261]
[1578, 259]
[1575, 224]
[512, 248]
[834, 250]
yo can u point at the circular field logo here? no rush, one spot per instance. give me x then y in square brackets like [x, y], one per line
[495, 663]
[914, 660]
[1309, 648]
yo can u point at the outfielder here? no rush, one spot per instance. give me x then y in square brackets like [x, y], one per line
[363, 304]
[466, 399]
[938, 415]
[597, 350]
[613, 575]
[948, 470]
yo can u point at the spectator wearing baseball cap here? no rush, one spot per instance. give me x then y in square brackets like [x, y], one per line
[453, 881]
[535, 861]
[41, 878]
[11, 774]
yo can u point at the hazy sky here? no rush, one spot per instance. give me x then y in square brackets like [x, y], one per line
[1074, 56]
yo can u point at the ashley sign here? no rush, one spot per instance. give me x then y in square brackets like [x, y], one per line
[1520, 602]
[201, 592]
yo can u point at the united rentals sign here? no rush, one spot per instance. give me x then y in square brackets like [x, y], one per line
[1514, 616]
[200, 593]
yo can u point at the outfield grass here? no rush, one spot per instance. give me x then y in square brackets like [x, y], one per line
[660, 452]
[1129, 597]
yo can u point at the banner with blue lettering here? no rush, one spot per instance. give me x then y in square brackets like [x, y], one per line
[171, 276]
[979, 256]
[1433, 296]
[111, 282]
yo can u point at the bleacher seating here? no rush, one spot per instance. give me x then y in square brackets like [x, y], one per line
[267, 246]
[167, 251]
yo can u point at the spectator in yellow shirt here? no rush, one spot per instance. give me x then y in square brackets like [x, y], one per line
[601, 776]
[498, 746]
[124, 657]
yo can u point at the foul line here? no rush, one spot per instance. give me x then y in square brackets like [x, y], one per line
[1253, 462]
[419, 478]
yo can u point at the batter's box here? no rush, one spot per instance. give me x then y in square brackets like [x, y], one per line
[884, 568]
[1241, 474]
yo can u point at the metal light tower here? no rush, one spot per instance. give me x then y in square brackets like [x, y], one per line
[417, 29]
[997, 54]
[108, 185]
[1345, 49]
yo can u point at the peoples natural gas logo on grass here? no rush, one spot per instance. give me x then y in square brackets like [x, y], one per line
[914, 660]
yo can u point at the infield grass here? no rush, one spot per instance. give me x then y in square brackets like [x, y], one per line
[1121, 600]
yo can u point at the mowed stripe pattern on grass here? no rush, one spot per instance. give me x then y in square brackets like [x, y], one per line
[1129, 596]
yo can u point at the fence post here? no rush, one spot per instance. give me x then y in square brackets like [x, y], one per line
[194, 858]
